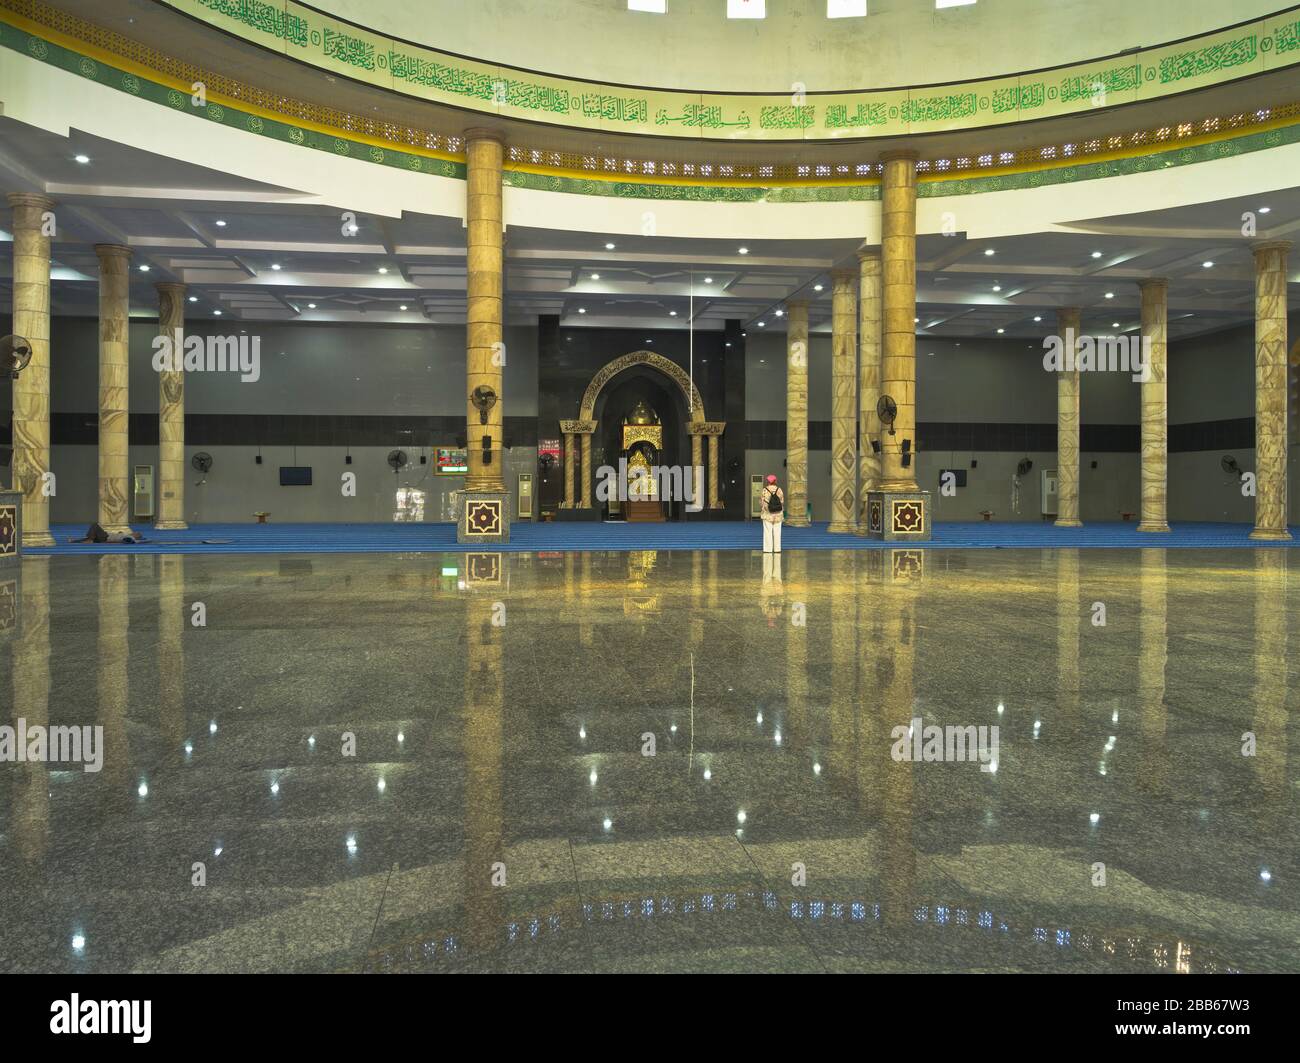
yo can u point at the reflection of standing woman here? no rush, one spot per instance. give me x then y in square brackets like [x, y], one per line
[772, 511]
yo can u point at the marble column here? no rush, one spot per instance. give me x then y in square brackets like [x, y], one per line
[898, 251]
[584, 440]
[697, 466]
[715, 499]
[1270, 391]
[869, 352]
[171, 413]
[796, 414]
[31, 320]
[114, 386]
[1155, 407]
[844, 402]
[1068, 327]
[570, 457]
[484, 152]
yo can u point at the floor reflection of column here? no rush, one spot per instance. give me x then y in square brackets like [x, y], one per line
[796, 645]
[586, 600]
[1153, 655]
[897, 850]
[1270, 689]
[843, 670]
[485, 907]
[112, 685]
[697, 599]
[31, 694]
[872, 738]
[172, 619]
[1068, 616]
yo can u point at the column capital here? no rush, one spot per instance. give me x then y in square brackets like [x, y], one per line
[30, 199]
[578, 428]
[900, 155]
[1153, 282]
[170, 287]
[485, 133]
[1270, 245]
[107, 251]
[796, 304]
[843, 276]
[868, 254]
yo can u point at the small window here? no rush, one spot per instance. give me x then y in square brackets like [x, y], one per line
[746, 8]
[846, 8]
[655, 7]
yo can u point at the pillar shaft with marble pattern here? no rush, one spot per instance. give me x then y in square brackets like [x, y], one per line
[898, 252]
[1155, 407]
[1270, 391]
[171, 414]
[584, 439]
[796, 414]
[114, 386]
[715, 499]
[1068, 327]
[484, 153]
[869, 353]
[697, 467]
[31, 391]
[844, 402]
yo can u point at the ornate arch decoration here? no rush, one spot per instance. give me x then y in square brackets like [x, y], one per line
[670, 369]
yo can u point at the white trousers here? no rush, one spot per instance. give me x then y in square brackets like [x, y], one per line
[771, 536]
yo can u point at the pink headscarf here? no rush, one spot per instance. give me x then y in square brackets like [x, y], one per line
[771, 478]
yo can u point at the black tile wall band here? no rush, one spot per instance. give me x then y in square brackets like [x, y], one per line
[209, 430]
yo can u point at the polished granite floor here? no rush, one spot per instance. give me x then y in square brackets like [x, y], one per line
[500, 811]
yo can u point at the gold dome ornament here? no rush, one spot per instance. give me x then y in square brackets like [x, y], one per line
[641, 414]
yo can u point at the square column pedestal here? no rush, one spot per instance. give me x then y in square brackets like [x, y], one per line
[484, 517]
[11, 528]
[898, 516]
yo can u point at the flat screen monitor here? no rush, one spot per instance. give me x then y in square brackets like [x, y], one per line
[452, 461]
[295, 475]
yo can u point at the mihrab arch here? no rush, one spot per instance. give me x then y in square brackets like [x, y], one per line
[577, 433]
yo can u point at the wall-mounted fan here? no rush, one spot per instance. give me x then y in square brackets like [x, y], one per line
[15, 354]
[1230, 466]
[483, 398]
[1023, 467]
[202, 463]
[397, 460]
[887, 410]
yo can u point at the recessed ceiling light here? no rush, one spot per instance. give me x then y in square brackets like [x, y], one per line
[383, 269]
[1110, 295]
[83, 159]
[1207, 265]
[989, 251]
[997, 287]
[672, 313]
[1114, 324]
[1000, 331]
[595, 276]
[220, 224]
[609, 247]
[311, 306]
[1038, 319]
[916, 321]
[762, 324]
[144, 269]
[275, 265]
[402, 307]
[780, 313]
[1265, 210]
[217, 312]
[1096, 254]
[194, 298]
[582, 309]
[818, 287]
[743, 250]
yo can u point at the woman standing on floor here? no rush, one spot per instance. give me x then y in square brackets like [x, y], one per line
[772, 512]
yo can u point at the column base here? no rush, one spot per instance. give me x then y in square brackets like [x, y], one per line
[38, 539]
[899, 516]
[171, 525]
[1153, 526]
[1271, 535]
[11, 528]
[842, 528]
[484, 517]
[1071, 523]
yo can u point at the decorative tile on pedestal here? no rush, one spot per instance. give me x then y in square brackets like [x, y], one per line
[899, 516]
[11, 532]
[484, 517]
